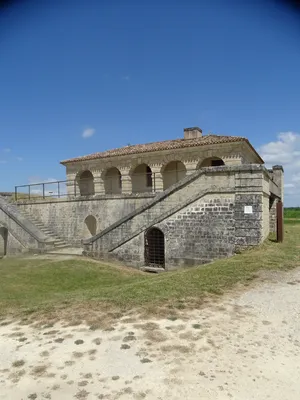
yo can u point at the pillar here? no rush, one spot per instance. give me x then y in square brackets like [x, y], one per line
[98, 181]
[126, 181]
[278, 178]
[72, 186]
[190, 166]
[157, 178]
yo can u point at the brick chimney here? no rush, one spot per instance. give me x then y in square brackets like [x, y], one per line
[192, 133]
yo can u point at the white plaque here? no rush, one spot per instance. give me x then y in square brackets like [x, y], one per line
[248, 210]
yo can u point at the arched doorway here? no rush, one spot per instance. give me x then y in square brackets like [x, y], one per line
[112, 181]
[211, 162]
[173, 172]
[155, 248]
[141, 179]
[3, 241]
[90, 226]
[86, 183]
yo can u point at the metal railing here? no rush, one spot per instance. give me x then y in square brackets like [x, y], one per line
[55, 189]
[139, 183]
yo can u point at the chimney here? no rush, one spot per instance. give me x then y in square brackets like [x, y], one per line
[192, 133]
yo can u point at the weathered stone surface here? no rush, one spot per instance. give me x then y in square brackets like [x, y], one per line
[202, 217]
[18, 234]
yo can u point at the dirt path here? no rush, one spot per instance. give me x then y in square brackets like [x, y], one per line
[247, 347]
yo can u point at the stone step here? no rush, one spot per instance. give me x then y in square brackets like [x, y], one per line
[58, 242]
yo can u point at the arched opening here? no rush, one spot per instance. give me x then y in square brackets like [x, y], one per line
[3, 241]
[141, 179]
[113, 181]
[86, 183]
[90, 226]
[211, 162]
[154, 248]
[173, 172]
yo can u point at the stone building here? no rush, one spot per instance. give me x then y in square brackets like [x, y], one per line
[162, 205]
[154, 167]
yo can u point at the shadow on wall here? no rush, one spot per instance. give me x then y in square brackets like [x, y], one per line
[86, 183]
[90, 227]
[211, 162]
[3, 241]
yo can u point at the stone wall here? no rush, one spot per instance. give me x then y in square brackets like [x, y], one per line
[210, 214]
[212, 227]
[232, 154]
[67, 218]
[17, 234]
[273, 214]
[9, 245]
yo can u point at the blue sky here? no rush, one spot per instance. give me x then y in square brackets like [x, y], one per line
[140, 71]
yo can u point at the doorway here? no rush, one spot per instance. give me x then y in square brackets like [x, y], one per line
[155, 248]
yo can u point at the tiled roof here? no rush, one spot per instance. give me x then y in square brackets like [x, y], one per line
[157, 146]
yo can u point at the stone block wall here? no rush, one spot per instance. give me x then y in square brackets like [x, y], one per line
[184, 192]
[230, 214]
[17, 234]
[273, 214]
[67, 218]
[210, 228]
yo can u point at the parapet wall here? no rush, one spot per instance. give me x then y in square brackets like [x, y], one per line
[67, 217]
[17, 234]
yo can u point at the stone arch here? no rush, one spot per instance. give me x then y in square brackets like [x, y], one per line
[112, 181]
[154, 248]
[3, 241]
[173, 172]
[211, 162]
[85, 182]
[141, 179]
[90, 226]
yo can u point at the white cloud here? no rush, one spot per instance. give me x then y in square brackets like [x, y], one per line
[20, 159]
[126, 78]
[7, 150]
[3, 161]
[286, 151]
[88, 132]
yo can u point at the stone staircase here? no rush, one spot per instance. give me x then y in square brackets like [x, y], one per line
[59, 243]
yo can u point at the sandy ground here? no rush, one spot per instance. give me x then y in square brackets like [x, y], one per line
[245, 347]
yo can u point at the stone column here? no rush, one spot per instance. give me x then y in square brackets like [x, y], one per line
[157, 178]
[278, 178]
[72, 186]
[190, 166]
[273, 215]
[126, 181]
[98, 181]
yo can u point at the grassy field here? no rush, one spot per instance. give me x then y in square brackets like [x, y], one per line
[40, 286]
[292, 215]
[292, 212]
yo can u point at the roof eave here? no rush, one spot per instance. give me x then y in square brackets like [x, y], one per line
[253, 149]
[75, 161]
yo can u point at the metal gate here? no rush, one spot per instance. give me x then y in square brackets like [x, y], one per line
[154, 248]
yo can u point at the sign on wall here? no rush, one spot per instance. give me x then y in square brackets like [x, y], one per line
[248, 210]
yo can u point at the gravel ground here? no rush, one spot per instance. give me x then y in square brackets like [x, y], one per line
[247, 346]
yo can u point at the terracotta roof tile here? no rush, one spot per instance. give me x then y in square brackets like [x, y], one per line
[156, 146]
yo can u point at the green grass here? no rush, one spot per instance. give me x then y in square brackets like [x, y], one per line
[292, 212]
[43, 285]
[292, 215]
[291, 221]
